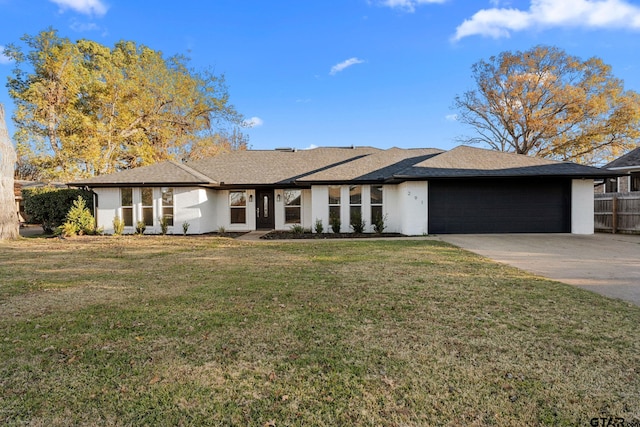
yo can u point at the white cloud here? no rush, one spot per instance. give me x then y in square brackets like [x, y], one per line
[501, 22]
[344, 64]
[4, 59]
[408, 5]
[311, 147]
[87, 7]
[82, 27]
[451, 117]
[254, 122]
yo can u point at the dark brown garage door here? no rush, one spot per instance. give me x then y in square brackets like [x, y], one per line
[499, 206]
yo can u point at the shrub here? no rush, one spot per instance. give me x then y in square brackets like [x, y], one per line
[78, 220]
[357, 223]
[49, 206]
[222, 229]
[297, 229]
[185, 228]
[141, 227]
[318, 226]
[118, 226]
[164, 224]
[335, 223]
[379, 224]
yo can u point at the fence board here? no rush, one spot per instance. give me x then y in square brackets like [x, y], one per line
[617, 212]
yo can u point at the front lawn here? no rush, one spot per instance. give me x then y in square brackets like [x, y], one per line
[151, 330]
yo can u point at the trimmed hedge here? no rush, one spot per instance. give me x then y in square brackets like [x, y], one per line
[49, 206]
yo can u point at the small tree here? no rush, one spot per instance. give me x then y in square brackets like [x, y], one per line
[79, 220]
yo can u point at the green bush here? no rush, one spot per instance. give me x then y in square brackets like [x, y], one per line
[379, 224]
[140, 227]
[118, 226]
[335, 223]
[297, 229]
[357, 223]
[185, 228]
[49, 206]
[319, 227]
[164, 224]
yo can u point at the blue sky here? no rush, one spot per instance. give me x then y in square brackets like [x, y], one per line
[342, 72]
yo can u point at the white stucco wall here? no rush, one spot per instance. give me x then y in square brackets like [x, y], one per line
[107, 209]
[582, 216]
[412, 204]
[320, 205]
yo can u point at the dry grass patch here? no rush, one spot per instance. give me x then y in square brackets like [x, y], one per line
[209, 331]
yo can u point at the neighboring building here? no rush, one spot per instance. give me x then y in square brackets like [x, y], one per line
[417, 191]
[629, 166]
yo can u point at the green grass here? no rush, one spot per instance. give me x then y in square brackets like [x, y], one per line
[153, 330]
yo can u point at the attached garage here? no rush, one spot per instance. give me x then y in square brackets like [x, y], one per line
[516, 205]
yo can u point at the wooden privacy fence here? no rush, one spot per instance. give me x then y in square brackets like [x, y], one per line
[617, 212]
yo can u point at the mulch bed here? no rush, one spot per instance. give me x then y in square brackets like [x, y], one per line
[278, 235]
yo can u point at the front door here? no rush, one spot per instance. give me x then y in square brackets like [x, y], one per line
[264, 211]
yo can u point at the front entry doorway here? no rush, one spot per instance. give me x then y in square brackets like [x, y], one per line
[265, 219]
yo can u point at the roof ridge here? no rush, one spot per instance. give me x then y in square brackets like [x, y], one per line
[193, 172]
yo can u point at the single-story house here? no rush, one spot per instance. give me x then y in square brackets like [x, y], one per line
[416, 191]
[628, 166]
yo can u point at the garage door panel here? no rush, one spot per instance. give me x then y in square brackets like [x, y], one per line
[498, 206]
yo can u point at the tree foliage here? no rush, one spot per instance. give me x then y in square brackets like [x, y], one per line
[49, 206]
[8, 215]
[544, 102]
[84, 109]
[79, 219]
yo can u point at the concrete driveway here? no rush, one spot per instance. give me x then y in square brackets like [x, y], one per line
[605, 263]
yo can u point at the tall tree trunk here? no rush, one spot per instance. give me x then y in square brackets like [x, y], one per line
[9, 226]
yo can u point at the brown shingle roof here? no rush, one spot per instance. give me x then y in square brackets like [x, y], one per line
[360, 164]
[629, 160]
[377, 166]
[275, 167]
[164, 173]
[467, 162]
[463, 157]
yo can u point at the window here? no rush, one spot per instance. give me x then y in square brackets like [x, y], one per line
[147, 205]
[167, 204]
[238, 205]
[376, 203]
[126, 203]
[292, 204]
[355, 203]
[611, 185]
[334, 201]
[635, 181]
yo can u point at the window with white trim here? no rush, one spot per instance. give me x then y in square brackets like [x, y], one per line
[147, 205]
[376, 204]
[126, 206]
[355, 203]
[292, 206]
[238, 206]
[334, 201]
[167, 204]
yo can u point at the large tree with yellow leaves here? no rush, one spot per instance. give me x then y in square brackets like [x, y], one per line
[85, 109]
[544, 102]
